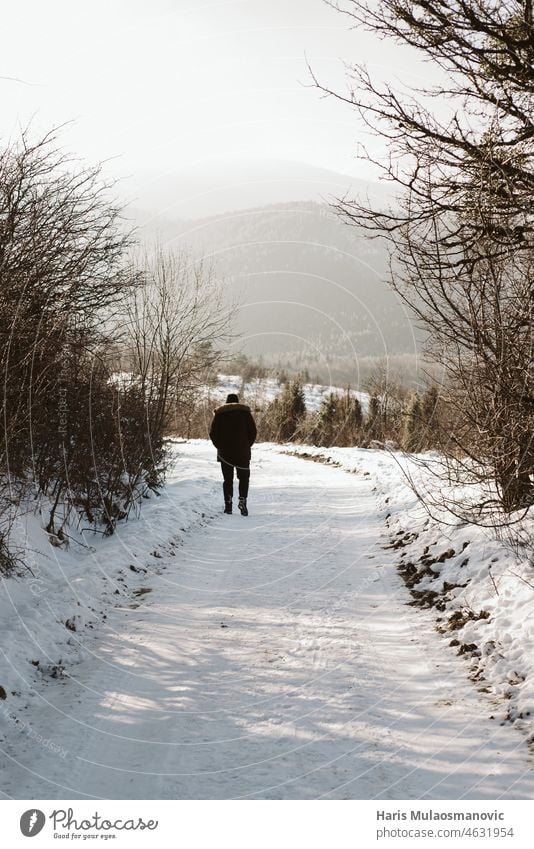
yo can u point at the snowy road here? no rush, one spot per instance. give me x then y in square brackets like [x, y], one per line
[275, 657]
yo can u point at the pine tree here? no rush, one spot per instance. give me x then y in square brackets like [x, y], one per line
[348, 420]
[327, 419]
[429, 406]
[373, 423]
[291, 409]
[354, 414]
[413, 424]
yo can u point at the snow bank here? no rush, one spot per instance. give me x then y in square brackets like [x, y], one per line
[50, 611]
[480, 587]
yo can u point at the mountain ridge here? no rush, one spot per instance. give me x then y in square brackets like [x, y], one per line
[220, 187]
[309, 287]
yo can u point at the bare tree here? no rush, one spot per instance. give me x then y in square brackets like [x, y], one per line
[62, 264]
[175, 322]
[461, 232]
[70, 431]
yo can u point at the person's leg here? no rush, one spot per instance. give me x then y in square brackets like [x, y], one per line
[228, 482]
[243, 476]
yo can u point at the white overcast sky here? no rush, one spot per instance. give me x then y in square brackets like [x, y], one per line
[163, 85]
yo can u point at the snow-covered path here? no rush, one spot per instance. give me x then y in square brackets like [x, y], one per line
[275, 657]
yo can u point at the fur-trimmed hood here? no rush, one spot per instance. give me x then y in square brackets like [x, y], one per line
[227, 407]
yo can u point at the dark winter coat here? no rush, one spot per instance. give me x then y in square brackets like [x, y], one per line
[233, 431]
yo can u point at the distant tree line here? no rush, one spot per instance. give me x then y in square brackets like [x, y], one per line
[394, 416]
[400, 419]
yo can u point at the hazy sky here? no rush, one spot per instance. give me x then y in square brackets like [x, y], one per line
[167, 84]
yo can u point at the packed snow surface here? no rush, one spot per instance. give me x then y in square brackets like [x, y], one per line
[275, 656]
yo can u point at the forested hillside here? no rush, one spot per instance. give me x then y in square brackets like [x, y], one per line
[306, 285]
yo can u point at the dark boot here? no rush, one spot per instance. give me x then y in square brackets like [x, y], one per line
[243, 506]
[228, 505]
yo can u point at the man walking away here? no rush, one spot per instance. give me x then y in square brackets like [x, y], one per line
[233, 431]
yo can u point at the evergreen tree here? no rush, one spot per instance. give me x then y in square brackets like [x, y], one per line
[327, 419]
[290, 410]
[373, 423]
[354, 415]
[348, 420]
[429, 406]
[413, 424]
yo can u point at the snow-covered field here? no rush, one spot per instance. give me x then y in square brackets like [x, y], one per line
[260, 391]
[274, 656]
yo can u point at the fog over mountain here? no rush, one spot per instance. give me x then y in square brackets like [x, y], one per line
[215, 187]
[310, 289]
